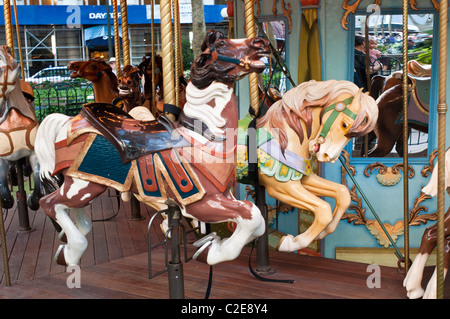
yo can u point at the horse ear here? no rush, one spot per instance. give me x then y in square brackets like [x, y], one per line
[201, 60]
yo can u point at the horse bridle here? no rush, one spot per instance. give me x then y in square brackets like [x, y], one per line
[336, 109]
[218, 57]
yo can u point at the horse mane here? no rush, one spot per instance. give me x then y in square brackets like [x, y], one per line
[203, 71]
[297, 104]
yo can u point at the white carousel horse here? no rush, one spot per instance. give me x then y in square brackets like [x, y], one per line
[315, 119]
[18, 127]
[413, 279]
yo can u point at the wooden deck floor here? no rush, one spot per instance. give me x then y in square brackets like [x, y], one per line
[115, 266]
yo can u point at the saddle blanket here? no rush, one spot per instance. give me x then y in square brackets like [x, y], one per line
[154, 174]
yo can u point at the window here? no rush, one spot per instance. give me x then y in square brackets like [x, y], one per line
[382, 37]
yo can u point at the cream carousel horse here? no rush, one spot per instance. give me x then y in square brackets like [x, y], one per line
[413, 279]
[313, 120]
[18, 127]
[154, 158]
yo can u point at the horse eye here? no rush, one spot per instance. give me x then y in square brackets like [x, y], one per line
[344, 125]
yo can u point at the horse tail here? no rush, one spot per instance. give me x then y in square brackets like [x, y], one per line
[50, 131]
[432, 187]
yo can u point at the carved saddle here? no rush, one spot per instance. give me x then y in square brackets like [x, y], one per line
[132, 138]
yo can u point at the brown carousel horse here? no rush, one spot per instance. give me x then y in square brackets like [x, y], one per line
[157, 161]
[130, 88]
[413, 279]
[100, 74]
[146, 80]
[18, 127]
[389, 94]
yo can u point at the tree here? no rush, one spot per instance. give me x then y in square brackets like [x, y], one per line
[198, 26]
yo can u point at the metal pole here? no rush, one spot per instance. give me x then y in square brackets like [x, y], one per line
[153, 58]
[405, 135]
[178, 65]
[167, 51]
[108, 25]
[175, 266]
[116, 36]
[19, 42]
[4, 248]
[442, 111]
[125, 35]
[262, 244]
[8, 26]
[251, 33]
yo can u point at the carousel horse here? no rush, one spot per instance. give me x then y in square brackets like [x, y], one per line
[388, 92]
[312, 120]
[146, 80]
[413, 279]
[100, 74]
[130, 88]
[159, 160]
[18, 127]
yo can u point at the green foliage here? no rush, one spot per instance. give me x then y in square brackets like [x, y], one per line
[188, 54]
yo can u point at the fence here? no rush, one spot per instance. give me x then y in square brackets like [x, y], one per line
[63, 97]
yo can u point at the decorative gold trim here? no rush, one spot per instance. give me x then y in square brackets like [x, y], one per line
[429, 169]
[387, 176]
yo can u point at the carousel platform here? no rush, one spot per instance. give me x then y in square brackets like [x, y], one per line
[115, 266]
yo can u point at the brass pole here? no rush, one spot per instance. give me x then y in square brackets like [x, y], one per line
[176, 36]
[251, 33]
[167, 51]
[405, 135]
[116, 36]
[442, 111]
[19, 43]
[125, 34]
[153, 105]
[8, 26]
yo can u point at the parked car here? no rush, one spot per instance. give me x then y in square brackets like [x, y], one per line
[50, 74]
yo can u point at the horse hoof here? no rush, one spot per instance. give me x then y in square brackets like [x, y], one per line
[201, 255]
[204, 243]
[7, 202]
[33, 202]
[208, 238]
[59, 256]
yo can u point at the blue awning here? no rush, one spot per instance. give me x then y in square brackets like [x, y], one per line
[98, 36]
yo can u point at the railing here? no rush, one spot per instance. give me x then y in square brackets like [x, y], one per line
[64, 97]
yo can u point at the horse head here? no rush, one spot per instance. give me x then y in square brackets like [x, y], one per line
[9, 74]
[129, 83]
[347, 115]
[91, 70]
[227, 60]
[146, 70]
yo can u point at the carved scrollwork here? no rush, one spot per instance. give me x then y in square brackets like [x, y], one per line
[388, 176]
[286, 12]
[429, 169]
